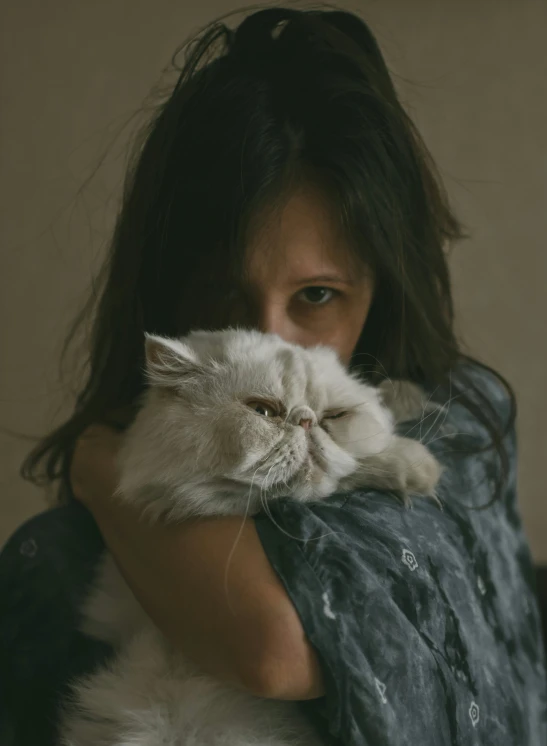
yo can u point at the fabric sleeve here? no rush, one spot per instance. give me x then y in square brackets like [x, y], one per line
[425, 621]
[45, 568]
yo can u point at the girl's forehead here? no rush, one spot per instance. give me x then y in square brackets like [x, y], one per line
[298, 241]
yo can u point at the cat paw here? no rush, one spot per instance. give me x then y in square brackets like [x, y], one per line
[419, 471]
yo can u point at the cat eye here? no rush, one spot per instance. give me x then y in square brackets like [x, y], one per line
[266, 409]
[335, 415]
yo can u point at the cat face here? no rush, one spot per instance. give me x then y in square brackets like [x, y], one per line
[250, 417]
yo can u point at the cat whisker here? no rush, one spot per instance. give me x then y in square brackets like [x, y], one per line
[447, 435]
[359, 440]
[424, 416]
[268, 512]
[236, 541]
[266, 505]
[445, 408]
[368, 354]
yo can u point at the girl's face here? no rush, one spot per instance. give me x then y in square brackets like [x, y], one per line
[301, 281]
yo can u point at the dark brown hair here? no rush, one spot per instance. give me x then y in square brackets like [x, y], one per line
[288, 96]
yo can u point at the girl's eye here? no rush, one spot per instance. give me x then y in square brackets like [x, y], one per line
[266, 410]
[317, 295]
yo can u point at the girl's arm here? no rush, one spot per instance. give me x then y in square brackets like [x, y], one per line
[237, 624]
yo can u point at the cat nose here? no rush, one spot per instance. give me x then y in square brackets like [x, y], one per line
[303, 416]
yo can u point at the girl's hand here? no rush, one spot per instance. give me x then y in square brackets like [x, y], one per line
[93, 471]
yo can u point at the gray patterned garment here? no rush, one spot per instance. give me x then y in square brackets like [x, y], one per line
[425, 621]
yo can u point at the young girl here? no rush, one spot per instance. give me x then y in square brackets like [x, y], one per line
[282, 187]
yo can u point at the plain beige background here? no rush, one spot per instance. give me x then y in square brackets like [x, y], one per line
[473, 74]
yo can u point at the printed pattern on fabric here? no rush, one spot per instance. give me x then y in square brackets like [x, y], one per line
[425, 620]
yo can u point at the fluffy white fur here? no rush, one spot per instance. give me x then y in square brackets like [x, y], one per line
[231, 421]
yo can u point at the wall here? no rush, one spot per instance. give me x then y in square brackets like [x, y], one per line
[472, 73]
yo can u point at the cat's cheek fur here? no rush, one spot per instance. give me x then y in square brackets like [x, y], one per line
[363, 434]
[335, 460]
[242, 440]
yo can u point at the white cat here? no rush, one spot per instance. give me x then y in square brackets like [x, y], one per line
[231, 421]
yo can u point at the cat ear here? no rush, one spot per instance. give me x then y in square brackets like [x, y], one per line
[169, 361]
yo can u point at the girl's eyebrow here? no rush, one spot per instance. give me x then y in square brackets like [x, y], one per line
[316, 279]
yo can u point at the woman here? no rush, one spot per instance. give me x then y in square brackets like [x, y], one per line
[282, 186]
